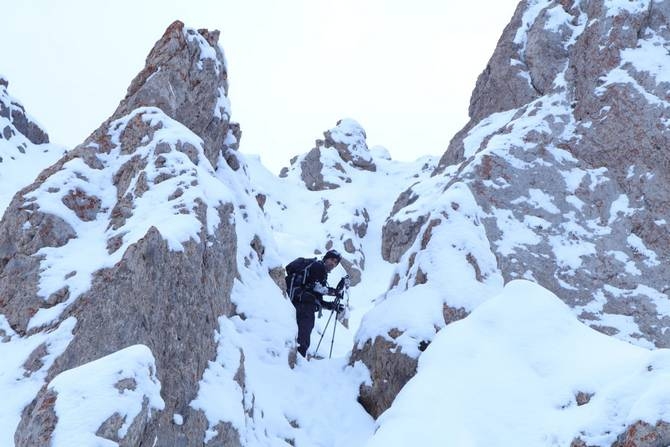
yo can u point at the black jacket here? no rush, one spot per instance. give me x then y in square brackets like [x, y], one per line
[316, 285]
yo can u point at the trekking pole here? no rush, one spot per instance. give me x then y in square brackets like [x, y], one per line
[337, 302]
[346, 290]
[332, 340]
[345, 285]
[324, 331]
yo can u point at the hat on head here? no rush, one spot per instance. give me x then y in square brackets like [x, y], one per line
[332, 254]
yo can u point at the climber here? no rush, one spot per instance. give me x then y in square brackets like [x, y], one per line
[307, 282]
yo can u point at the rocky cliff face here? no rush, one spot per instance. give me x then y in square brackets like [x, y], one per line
[564, 167]
[129, 240]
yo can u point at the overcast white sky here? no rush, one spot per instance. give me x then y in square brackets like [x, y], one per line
[403, 70]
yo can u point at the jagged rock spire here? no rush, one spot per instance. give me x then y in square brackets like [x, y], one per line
[186, 77]
[132, 237]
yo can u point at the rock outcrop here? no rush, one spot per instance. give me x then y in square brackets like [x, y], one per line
[328, 165]
[132, 392]
[593, 136]
[24, 146]
[16, 120]
[347, 193]
[389, 373]
[642, 434]
[185, 76]
[128, 234]
[565, 160]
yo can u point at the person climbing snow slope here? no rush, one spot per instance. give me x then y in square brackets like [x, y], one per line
[307, 283]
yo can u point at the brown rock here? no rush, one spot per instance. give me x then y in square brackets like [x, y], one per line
[167, 300]
[390, 370]
[348, 140]
[558, 116]
[184, 81]
[20, 121]
[642, 434]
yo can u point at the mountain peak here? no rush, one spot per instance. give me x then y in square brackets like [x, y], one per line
[349, 139]
[185, 76]
[140, 220]
[13, 111]
[333, 160]
[24, 146]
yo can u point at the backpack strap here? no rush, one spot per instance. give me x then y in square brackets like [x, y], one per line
[298, 280]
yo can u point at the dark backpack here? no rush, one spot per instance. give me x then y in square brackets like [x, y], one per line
[297, 272]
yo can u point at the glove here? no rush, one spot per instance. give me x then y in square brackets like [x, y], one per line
[344, 282]
[332, 292]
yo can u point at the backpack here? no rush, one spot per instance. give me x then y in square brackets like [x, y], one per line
[297, 272]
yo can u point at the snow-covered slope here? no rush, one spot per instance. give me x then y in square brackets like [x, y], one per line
[346, 215]
[24, 147]
[520, 370]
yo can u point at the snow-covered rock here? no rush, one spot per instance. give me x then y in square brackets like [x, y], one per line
[348, 197]
[24, 147]
[111, 399]
[133, 233]
[447, 272]
[26, 362]
[335, 159]
[571, 182]
[559, 175]
[522, 370]
[16, 120]
[186, 77]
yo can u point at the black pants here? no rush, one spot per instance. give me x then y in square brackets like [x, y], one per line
[304, 315]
